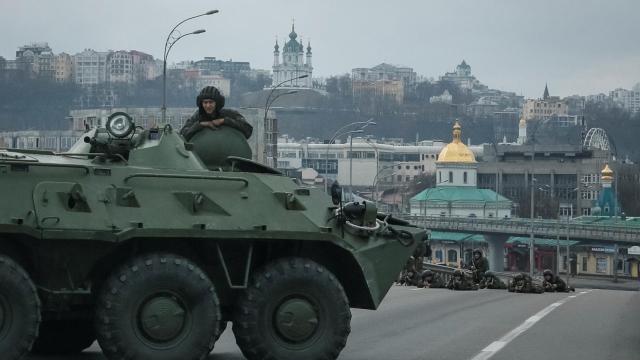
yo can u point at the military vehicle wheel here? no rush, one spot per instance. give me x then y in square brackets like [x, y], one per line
[159, 306]
[19, 310]
[64, 337]
[294, 309]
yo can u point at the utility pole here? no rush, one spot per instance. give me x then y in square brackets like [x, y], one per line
[532, 241]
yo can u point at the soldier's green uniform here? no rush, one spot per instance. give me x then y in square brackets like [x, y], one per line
[231, 118]
[410, 275]
[553, 283]
[479, 266]
[523, 283]
[491, 281]
[460, 281]
[432, 280]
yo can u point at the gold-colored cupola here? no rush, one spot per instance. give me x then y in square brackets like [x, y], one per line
[456, 151]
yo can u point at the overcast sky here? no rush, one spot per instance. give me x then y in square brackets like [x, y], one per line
[577, 46]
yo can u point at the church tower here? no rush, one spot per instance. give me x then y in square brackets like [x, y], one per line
[292, 66]
[522, 131]
[456, 164]
[607, 202]
[276, 55]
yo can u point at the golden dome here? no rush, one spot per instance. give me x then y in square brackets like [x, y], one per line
[456, 151]
[607, 173]
[523, 123]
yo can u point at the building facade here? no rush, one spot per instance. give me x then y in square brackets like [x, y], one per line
[63, 68]
[544, 108]
[462, 77]
[627, 99]
[292, 65]
[364, 162]
[90, 67]
[385, 71]
[36, 60]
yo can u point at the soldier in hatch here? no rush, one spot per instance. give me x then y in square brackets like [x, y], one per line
[479, 265]
[432, 280]
[211, 115]
[461, 281]
[523, 283]
[553, 283]
[492, 281]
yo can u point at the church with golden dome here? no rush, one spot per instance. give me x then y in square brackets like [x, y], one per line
[456, 192]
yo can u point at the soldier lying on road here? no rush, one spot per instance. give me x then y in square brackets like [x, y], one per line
[523, 283]
[461, 281]
[553, 283]
[491, 281]
[432, 280]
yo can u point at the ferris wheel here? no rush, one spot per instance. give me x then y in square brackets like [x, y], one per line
[597, 138]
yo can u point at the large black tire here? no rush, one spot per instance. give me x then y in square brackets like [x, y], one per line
[19, 310]
[64, 337]
[160, 307]
[293, 309]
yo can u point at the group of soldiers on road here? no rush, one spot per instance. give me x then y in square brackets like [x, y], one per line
[476, 276]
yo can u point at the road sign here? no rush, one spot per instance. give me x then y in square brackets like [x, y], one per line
[634, 250]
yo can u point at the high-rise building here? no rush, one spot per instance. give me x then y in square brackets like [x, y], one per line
[628, 99]
[293, 64]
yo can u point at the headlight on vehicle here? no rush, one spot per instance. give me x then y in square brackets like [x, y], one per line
[120, 125]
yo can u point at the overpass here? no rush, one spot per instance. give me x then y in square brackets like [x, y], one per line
[497, 231]
[577, 229]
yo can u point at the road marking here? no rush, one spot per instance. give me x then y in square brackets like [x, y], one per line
[497, 345]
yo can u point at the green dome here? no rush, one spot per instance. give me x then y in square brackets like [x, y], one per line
[214, 146]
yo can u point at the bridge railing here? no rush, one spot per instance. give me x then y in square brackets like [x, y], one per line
[540, 227]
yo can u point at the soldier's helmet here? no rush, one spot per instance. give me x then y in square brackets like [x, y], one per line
[477, 251]
[427, 274]
[518, 277]
[547, 273]
[457, 273]
[489, 274]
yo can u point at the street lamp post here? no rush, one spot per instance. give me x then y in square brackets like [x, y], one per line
[268, 104]
[376, 179]
[326, 155]
[168, 44]
[335, 136]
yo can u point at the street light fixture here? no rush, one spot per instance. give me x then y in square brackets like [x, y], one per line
[168, 44]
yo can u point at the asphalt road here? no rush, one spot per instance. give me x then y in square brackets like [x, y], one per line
[441, 324]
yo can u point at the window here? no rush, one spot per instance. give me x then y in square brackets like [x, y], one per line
[584, 264]
[601, 265]
[439, 255]
[464, 177]
[452, 256]
[450, 177]
[439, 176]
[586, 211]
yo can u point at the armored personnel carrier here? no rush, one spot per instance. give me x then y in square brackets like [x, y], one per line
[132, 239]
